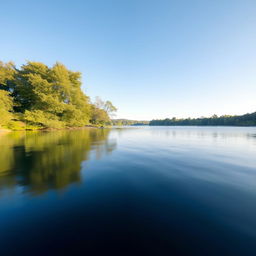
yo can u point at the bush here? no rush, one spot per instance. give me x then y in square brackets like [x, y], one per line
[42, 119]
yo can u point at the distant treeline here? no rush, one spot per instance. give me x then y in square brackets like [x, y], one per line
[124, 122]
[37, 96]
[243, 120]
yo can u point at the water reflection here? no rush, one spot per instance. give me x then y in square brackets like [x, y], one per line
[39, 161]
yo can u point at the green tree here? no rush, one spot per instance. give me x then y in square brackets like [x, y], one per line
[50, 97]
[7, 73]
[6, 107]
[99, 116]
[107, 106]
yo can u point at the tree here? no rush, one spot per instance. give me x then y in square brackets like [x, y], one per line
[99, 116]
[99, 103]
[244, 120]
[107, 106]
[7, 73]
[54, 93]
[6, 107]
[50, 97]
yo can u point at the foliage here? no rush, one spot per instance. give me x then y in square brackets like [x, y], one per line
[7, 73]
[244, 120]
[6, 105]
[18, 125]
[99, 116]
[47, 97]
[125, 122]
[42, 119]
[101, 112]
[107, 106]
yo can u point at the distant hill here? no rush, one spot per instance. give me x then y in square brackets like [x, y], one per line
[242, 120]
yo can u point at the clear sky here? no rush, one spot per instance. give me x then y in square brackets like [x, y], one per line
[151, 58]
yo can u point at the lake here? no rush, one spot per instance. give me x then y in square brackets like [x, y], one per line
[129, 191]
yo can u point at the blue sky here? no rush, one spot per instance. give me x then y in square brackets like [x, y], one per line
[152, 59]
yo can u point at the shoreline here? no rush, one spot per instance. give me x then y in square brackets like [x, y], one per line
[4, 130]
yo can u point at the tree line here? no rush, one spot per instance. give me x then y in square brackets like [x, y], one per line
[242, 120]
[38, 96]
[125, 122]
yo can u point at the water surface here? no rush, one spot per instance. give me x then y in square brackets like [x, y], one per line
[147, 190]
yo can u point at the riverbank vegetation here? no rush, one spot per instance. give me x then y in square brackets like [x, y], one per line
[36, 96]
[242, 120]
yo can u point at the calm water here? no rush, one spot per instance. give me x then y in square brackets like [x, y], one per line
[129, 191]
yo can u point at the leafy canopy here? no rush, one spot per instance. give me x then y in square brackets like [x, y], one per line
[48, 97]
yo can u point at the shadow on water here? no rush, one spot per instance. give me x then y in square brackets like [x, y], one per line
[39, 161]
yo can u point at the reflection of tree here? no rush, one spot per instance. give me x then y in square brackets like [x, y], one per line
[8, 143]
[39, 161]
